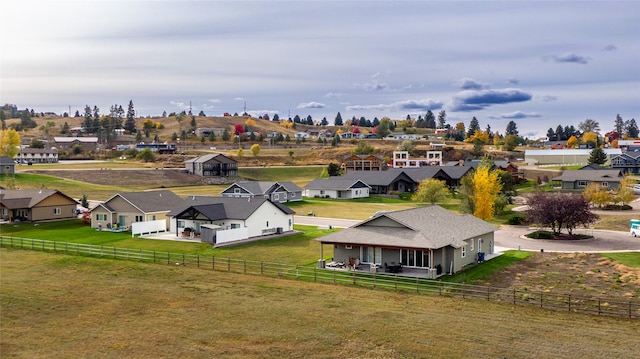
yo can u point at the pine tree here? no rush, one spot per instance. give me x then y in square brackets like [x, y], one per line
[597, 156]
[338, 120]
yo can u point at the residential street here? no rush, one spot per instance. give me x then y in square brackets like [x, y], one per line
[512, 237]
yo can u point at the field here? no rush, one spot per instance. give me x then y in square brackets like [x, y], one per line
[112, 309]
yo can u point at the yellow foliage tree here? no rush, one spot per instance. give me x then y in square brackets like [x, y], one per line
[339, 131]
[483, 136]
[625, 194]
[431, 190]
[572, 142]
[255, 149]
[286, 124]
[486, 187]
[250, 123]
[596, 194]
[590, 138]
[9, 143]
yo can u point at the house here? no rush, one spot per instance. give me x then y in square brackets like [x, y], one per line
[7, 166]
[406, 180]
[69, 142]
[123, 209]
[337, 187]
[212, 165]
[627, 162]
[579, 179]
[274, 191]
[363, 163]
[37, 155]
[426, 241]
[36, 205]
[301, 135]
[224, 220]
[401, 159]
[502, 165]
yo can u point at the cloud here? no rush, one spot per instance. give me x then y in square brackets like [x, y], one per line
[548, 98]
[332, 94]
[180, 105]
[513, 81]
[470, 100]
[258, 113]
[375, 83]
[571, 58]
[466, 83]
[610, 47]
[519, 114]
[409, 105]
[239, 99]
[214, 100]
[312, 104]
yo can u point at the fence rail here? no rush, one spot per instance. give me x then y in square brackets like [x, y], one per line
[564, 302]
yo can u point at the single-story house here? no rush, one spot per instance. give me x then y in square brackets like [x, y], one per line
[274, 191]
[212, 165]
[7, 166]
[384, 182]
[579, 179]
[123, 209]
[36, 205]
[337, 187]
[426, 241]
[223, 220]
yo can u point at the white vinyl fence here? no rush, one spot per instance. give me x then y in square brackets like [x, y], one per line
[148, 227]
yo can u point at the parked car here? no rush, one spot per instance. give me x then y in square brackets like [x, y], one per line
[636, 189]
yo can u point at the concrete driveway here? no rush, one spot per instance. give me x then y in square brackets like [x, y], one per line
[512, 237]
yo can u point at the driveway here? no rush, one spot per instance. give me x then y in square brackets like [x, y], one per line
[512, 237]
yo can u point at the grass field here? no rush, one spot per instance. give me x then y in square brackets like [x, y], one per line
[101, 308]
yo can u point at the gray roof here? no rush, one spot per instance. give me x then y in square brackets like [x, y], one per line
[338, 183]
[264, 187]
[4, 160]
[149, 201]
[424, 227]
[376, 178]
[208, 157]
[27, 198]
[590, 175]
[417, 175]
[223, 207]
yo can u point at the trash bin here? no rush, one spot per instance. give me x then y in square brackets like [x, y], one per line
[480, 257]
[321, 263]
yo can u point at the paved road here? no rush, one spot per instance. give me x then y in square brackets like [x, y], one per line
[512, 237]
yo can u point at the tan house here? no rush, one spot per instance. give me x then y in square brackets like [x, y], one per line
[35, 205]
[123, 209]
[363, 163]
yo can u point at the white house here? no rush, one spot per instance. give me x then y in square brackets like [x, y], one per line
[337, 187]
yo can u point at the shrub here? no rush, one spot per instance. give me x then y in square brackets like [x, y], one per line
[516, 220]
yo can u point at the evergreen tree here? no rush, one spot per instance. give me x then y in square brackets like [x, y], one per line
[442, 119]
[338, 120]
[276, 118]
[473, 127]
[512, 129]
[201, 114]
[194, 124]
[65, 129]
[130, 123]
[375, 122]
[597, 156]
[324, 122]
[430, 120]
[309, 120]
[225, 135]
[88, 121]
[551, 135]
[212, 136]
[619, 125]
[632, 129]
[362, 122]
[560, 134]
[296, 119]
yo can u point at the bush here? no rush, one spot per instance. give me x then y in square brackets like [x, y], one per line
[540, 235]
[516, 220]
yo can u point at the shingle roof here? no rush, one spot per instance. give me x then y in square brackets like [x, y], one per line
[424, 227]
[376, 178]
[338, 183]
[26, 198]
[149, 201]
[217, 156]
[589, 175]
[230, 207]
[4, 161]
[264, 187]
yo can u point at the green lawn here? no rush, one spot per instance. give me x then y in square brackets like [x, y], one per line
[631, 259]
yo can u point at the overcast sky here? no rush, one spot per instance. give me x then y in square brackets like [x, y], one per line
[539, 64]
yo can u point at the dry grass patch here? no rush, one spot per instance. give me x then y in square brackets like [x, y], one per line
[86, 307]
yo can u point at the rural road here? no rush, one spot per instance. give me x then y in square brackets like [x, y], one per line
[512, 237]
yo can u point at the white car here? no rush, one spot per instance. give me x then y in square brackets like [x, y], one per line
[636, 189]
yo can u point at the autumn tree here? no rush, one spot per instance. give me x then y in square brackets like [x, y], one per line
[596, 194]
[9, 143]
[572, 142]
[255, 149]
[590, 139]
[559, 211]
[146, 155]
[624, 194]
[363, 148]
[510, 142]
[431, 190]
[486, 187]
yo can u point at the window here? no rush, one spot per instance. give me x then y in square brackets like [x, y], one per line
[292, 195]
[605, 184]
[181, 224]
[464, 251]
[235, 225]
[479, 244]
[276, 197]
[471, 245]
[57, 211]
[582, 183]
[236, 190]
[414, 258]
[101, 217]
[371, 255]
[138, 219]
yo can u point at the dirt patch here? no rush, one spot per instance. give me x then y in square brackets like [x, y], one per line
[583, 274]
[152, 178]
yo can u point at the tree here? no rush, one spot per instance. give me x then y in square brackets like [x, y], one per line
[338, 120]
[486, 187]
[363, 148]
[334, 169]
[238, 129]
[596, 194]
[625, 193]
[276, 118]
[9, 143]
[510, 142]
[130, 123]
[384, 128]
[632, 129]
[442, 119]
[324, 121]
[255, 149]
[572, 142]
[589, 125]
[431, 190]
[559, 211]
[597, 156]
[560, 134]
[590, 139]
[512, 129]
[430, 120]
[36, 143]
[619, 125]
[240, 152]
[473, 127]
[551, 135]
[146, 155]
[407, 145]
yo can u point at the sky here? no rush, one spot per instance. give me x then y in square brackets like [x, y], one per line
[538, 63]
